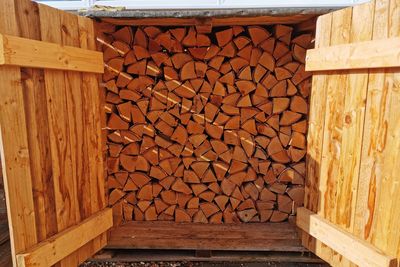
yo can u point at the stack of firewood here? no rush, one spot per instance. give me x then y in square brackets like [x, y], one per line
[206, 127]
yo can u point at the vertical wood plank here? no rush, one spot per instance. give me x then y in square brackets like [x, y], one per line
[73, 91]
[64, 177]
[91, 97]
[93, 142]
[386, 234]
[337, 85]
[316, 123]
[353, 122]
[37, 123]
[14, 147]
[79, 180]
[374, 136]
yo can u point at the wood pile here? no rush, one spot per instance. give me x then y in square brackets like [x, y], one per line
[206, 126]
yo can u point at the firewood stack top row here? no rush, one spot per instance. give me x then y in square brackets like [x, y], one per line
[206, 127]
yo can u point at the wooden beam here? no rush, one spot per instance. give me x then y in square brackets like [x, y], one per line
[362, 55]
[353, 248]
[61, 245]
[259, 20]
[24, 52]
[170, 235]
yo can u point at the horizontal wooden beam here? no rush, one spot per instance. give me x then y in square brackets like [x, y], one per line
[170, 235]
[353, 248]
[229, 21]
[54, 249]
[363, 55]
[24, 52]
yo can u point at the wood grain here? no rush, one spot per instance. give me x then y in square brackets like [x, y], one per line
[314, 186]
[357, 55]
[47, 146]
[65, 242]
[14, 148]
[25, 52]
[259, 20]
[357, 182]
[170, 235]
[356, 249]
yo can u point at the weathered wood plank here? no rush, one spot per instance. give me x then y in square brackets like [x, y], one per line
[258, 20]
[337, 86]
[64, 243]
[25, 52]
[171, 235]
[332, 135]
[359, 55]
[385, 234]
[316, 127]
[353, 123]
[376, 116]
[355, 249]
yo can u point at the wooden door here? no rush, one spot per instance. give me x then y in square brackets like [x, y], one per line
[51, 142]
[353, 188]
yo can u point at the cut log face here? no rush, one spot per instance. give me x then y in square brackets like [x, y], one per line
[206, 125]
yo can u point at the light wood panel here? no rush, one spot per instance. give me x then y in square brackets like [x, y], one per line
[64, 243]
[357, 186]
[57, 180]
[316, 129]
[357, 250]
[370, 54]
[37, 54]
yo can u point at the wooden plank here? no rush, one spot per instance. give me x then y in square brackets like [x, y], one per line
[64, 243]
[79, 183]
[316, 125]
[92, 140]
[93, 120]
[14, 147]
[37, 123]
[374, 137]
[360, 55]
[332, 136]
[171, 235]
[293, 259]
[355, 249]
[245, 21]
[353, 127]
[24, 52]
[337, 85]
[316, 120]
[61, 154]
[73, 91]
[385, 234]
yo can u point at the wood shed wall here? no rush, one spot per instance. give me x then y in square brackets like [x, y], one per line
[354, 135]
